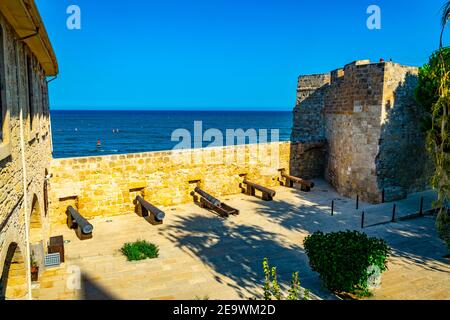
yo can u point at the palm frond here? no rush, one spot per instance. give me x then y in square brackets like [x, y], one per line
[445, 14]
[444, 20]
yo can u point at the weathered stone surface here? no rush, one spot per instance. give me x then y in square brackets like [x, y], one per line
[105, 186]
[308, 159]
[25, 161]
[367, 115]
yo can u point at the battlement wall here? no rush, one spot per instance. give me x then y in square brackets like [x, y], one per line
[107, 186]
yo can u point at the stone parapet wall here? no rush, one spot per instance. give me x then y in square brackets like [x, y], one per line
[107, 186]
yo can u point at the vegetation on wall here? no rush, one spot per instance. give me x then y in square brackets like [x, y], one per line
[433, 94]
[347, 261]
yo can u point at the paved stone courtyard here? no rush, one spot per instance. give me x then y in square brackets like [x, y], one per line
[202, 255]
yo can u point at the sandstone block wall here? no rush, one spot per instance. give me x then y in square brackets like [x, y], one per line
[16, 201]
[308, 124]
[403, 164]
[366, 118]
[106, 186]
[309, 148]
[352, 111]
[308, 159]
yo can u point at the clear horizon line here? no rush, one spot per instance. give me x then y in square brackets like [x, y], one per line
[169, 110]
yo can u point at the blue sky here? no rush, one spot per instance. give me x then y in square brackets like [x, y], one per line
[222, 54]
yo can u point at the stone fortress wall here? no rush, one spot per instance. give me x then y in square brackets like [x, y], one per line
[359, 127]
[25, 153]
[106, 186]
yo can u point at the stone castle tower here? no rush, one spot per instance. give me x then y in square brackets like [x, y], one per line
[359, 127]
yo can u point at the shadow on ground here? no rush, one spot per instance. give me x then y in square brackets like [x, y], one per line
[92, 290]
[415, 240]
[237, 252]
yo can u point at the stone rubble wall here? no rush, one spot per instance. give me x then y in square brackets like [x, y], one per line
[106, 186]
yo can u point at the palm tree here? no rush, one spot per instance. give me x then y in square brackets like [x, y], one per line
[445, 18]
[441, 110]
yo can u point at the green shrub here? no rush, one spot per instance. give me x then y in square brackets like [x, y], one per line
[140, 250]
[346, 260]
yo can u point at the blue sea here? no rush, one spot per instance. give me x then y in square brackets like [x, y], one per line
[95, 133]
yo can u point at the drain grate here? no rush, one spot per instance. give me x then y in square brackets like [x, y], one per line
[52, 260]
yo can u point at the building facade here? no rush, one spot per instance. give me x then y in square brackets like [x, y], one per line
[26, 60]
[359, 127]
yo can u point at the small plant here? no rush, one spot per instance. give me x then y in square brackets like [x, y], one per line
[272, 287]
[34, 268]
[140, 250]
[33, 262]
[204, 298]
[347, 261]
[294, 290]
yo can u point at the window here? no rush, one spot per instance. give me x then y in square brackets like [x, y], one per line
[31, 110]
[2, 85]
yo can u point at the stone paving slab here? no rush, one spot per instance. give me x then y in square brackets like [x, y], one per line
[203, 255]
[383, 213]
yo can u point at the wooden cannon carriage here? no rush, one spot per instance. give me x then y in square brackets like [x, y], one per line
[290, 180]
[267, 194]
[75, 220]
[209, 202]
[147, 210]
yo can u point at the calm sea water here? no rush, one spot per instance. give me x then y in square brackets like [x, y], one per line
[75, 133]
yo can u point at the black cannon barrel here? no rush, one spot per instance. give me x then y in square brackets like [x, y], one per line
[84, 225]
[159, 215]
[301, 181]
[260, 188]
[208, 197]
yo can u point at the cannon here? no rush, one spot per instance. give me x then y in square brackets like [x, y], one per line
[305, 184]
[146, 209]
[267, 194]
[209, 202]
[76, 221]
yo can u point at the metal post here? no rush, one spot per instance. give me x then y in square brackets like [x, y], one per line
[382, 196]
[421, 207]
[393, 212]
[357, 202]
[362, 220]
[332, 208]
